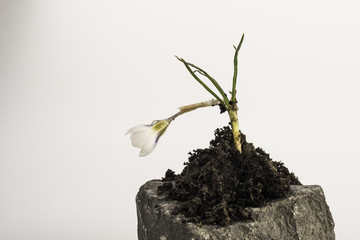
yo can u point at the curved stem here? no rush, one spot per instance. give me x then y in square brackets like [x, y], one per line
[191, 107]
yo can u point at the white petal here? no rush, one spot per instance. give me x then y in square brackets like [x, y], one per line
[136, 129]
[149, 144]
[138, 139]
[146, 137]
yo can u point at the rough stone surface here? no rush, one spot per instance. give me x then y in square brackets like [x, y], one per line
[304, 215]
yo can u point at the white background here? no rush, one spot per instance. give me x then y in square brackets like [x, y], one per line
[76, 75]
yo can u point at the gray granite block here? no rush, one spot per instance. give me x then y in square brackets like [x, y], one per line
[304, 215]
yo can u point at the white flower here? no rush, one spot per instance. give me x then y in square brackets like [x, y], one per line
[146, 137]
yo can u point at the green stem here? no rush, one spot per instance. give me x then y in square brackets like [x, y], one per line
[235, 129]
[224, 101]
[213, 81]
[236, 69]
[231, 108]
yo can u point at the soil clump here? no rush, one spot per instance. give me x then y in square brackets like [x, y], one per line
[218, 182]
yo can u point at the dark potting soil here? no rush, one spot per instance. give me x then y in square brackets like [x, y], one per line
[218, 182]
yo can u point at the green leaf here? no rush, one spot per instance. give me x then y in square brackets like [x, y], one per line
[233, 92]
[188, 66]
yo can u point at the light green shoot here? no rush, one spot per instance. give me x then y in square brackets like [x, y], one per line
[230, 106]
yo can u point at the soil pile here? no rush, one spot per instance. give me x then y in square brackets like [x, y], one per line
[218, 182]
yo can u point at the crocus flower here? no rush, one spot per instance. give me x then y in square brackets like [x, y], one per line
[146, 137]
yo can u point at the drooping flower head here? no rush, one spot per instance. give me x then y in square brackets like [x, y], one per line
[146, 137]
